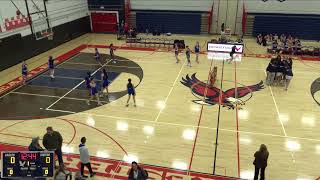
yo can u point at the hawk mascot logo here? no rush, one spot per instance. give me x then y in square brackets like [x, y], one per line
[211, 94]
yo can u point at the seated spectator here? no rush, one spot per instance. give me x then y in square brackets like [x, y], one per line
[283, 38]
[271, 38]
[264, 41]
[275, 37]
[35, 145]
[259, 39]
[274, 45]
[137, 173]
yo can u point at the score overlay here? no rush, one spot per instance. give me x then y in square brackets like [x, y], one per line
[27, 164]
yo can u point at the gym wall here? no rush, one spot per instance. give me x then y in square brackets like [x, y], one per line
[59, 12]
[172, 5]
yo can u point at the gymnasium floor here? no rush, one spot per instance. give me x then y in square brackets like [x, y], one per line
[167, 128]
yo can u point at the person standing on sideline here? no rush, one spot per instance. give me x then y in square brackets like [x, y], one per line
[24, 72]
[271, 72]
[176, 52]
[34, 145]
[52, 141]
[131, 91]
[137, 173]
[260, 162]
[85, 158]
[188, 52]
[197, 51]
[51, 66]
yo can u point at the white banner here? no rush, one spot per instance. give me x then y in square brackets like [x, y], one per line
[223, 56]
[224, 47]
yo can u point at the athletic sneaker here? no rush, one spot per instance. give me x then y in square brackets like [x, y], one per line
[93, 174]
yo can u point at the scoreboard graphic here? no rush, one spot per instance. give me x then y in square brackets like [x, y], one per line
[27, 164]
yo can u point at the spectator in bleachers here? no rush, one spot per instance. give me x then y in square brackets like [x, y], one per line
[283, 38]
[271, 72]
[275, 37]
[34, 145]
[274, 46]
[264, 41]
[259, 39]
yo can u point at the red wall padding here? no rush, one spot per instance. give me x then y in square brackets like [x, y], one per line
[103, 22]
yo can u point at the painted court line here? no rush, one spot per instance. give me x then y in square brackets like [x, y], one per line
[75, 87]
[278, 113]
[42, 95]
[174, 83]
[62, 77]
[30, 80]
[185, 125]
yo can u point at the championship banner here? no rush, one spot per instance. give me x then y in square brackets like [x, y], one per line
[226, 48]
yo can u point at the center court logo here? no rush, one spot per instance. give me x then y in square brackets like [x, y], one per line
[314, 89]
[210, 95]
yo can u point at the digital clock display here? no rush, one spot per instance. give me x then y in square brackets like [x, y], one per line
[27, 164]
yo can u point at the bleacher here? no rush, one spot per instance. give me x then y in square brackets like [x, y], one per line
[164, 22]
[301, 26]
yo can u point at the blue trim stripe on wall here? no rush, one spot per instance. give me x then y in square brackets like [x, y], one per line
[303, 27]
[178, 23]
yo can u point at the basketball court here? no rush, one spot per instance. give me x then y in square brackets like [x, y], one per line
[182, 127]
[167, 128]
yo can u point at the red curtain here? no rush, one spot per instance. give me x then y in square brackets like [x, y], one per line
[104, 22]
[244, 19]
[127, 10]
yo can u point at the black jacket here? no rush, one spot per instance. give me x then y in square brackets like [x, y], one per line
[142, 175]
[52, 142]
[261, 159]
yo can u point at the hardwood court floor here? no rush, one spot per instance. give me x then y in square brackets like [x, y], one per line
[167, 128]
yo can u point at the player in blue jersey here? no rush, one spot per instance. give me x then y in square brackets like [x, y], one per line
[87, 81]
[97, 56]
[51, 66]
[197, 51]
[24, 72]
[94, 92]
[131, 91]
[105, 82]
[112, 49]
[188, 52]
